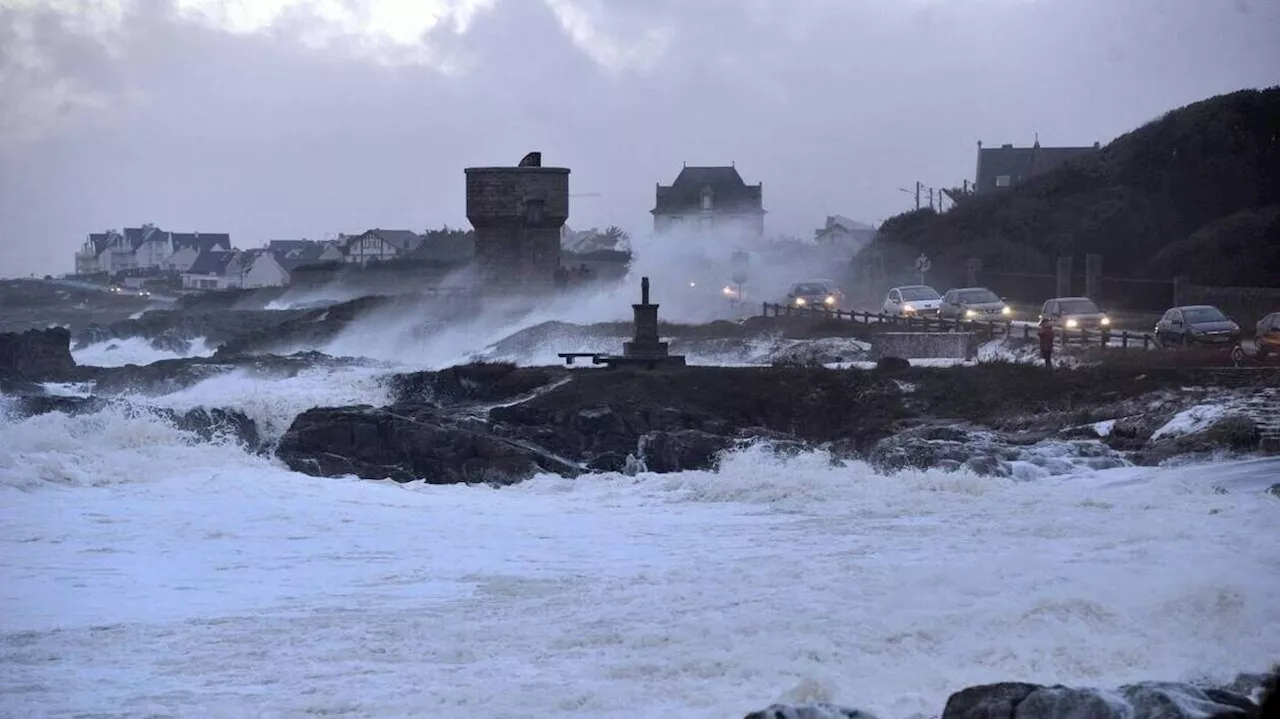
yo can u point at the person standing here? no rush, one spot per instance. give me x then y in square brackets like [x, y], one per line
[1046, 342]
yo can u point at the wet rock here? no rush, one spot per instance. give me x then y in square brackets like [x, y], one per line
[1145, 700]
[405, 443]
[809, 711]
[215, 424]
[31, 405]
[941, 447]
[892, 365]
[472, 383]
[170, 343]
[682, 450]
[1231, 434]
[37, 355]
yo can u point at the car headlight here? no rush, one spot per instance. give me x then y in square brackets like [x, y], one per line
[1006, 310]
[728, 291]
[1072, 324]
[970, 313]
[831, 300]
[800, 301]
[1105, 322]
[908, 308]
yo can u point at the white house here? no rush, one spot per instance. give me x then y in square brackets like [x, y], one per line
[145, 247]
[379, 245]
[209, 271]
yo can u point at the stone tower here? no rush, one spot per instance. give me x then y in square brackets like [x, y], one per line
[517, 213]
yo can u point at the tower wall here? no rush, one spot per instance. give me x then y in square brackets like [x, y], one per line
[517, 213]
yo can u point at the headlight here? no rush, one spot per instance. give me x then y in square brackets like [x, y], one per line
[728, 291]
[830, 300]
[800, 301]
[1105, 322]
[1072, 324]
[1006, 310]
[908, 308]
[693, 284]
[970, 313]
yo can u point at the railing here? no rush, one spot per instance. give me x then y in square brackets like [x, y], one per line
[991, 328]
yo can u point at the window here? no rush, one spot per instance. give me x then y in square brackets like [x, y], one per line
[1002, 180]
[534, 211]
[706, 200]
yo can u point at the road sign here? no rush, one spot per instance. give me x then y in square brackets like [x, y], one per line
[922, 263]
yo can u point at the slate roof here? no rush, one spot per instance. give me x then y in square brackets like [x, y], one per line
[200, 241]
[729, 192]
[99, 240]
[1020, 163]
[211, 262]
[289, 245]
[288, 259]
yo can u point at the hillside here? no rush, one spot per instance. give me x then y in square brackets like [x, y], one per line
[1195, 192]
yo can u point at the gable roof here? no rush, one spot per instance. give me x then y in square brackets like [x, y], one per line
[402, 240]
[290, 245]
[100, 241]
[729, 192]
[1020, 163]
[292, 258]
[211, 262]
[200, 241]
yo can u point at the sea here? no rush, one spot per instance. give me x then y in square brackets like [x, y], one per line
[147, 573]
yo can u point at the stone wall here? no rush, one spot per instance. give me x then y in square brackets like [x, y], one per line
[925, 345]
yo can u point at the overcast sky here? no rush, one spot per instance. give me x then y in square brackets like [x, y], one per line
[295, 118]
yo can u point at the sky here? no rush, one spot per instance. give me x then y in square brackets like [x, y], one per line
[277, 119]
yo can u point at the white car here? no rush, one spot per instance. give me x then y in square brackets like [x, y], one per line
[912, 301]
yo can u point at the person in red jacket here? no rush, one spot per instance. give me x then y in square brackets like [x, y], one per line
[1046, 342]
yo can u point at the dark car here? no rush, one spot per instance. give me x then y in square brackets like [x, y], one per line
[974, 303]
[815, 294]
[1074, 313]
[1201, 325]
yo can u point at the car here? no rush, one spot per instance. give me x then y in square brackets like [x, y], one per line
[974, 303]
[1266, 340]
[1074, 313]
[912, 301]
[1203, 325]
[815, 294]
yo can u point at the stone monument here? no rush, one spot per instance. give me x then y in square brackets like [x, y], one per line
[645, 349]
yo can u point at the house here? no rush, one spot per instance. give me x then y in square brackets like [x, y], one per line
[187, 246]
[1000, 168]
[144, 248]
[710, 198]
[379, 245]
[289, 255]
[209, 271]
[840, 231]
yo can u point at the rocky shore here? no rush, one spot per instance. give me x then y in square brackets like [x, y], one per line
[1250, 696]
[500, 423]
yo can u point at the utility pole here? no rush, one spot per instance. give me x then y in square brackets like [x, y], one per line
[917, 194]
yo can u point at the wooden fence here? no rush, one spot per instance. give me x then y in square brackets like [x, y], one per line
[991, 328]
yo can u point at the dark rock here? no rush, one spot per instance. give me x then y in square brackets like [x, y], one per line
[892, 365]
[1274, 490]
[171, 343]
[1145, 700]
[162, 377]
[32, 405]
[472, 383]
[943, 447]
[1234, 433]
[405, 443]
[808, 711]
[608, 462]
[681, 450]
[219, 424]
[37, 355]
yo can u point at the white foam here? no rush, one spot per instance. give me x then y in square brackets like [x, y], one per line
[1192, 420]
[142, 573]
[133, 350]
[274, 402]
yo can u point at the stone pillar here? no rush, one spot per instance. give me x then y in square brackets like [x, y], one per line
[1093, 276]
[1179, 289]
[646, 342]
[1064, 275]
[974, 267]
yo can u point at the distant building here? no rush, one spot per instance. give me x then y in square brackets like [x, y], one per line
[209, 271]
[145, 247]
[840, 231]
[710, 199]
[379, 245]
[1000, 168]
